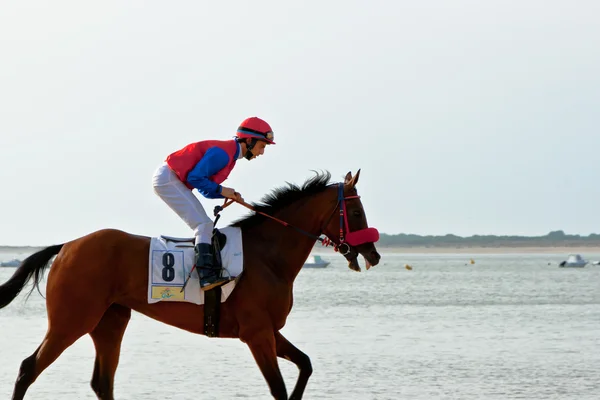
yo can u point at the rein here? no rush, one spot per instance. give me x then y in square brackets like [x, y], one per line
[325, 241]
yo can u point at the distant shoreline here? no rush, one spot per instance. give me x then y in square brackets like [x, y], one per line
[563, 250]
[21, 248]
[492, 250]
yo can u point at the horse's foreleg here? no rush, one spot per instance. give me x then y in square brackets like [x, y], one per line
[107, 337]
[262, 346]
[290, 352]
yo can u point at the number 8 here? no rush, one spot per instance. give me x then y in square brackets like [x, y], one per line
[168, 272]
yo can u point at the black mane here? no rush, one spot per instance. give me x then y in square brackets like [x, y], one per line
[284, 196]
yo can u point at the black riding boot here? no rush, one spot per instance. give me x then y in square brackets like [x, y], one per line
[209, 273]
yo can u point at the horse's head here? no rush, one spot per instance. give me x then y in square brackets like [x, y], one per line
[350, 231]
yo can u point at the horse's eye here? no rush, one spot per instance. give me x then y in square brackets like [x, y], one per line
[356, 213]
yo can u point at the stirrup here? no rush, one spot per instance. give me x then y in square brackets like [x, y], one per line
[209, 272]
[216, 283]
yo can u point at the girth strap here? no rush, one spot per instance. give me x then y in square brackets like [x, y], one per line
[212, 307]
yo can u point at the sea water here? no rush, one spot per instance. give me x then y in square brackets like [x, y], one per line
[506, 327]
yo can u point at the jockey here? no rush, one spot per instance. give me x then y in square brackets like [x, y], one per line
[204, 166]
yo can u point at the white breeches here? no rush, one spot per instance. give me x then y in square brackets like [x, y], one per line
[181, 200]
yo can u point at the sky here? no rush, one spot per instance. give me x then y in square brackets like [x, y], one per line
[465, 117]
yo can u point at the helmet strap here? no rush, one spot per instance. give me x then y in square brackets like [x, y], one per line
[249, 147]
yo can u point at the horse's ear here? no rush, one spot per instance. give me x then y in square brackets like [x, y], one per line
[355, 179]
[348, 178]
[351, 180]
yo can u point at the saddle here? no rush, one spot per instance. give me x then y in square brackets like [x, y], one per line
[218, 239]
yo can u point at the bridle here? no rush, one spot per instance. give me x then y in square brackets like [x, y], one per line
[346, 237]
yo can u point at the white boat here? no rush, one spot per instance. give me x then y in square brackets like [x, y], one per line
[315, 262]
[11, 263]
[596, 263]
[573, 261]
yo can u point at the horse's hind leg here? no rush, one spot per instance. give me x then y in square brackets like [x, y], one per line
[26, 376]
[68, 320]
[52, 346]
[107, 337]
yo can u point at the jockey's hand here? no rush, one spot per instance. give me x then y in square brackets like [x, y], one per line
[231, 194]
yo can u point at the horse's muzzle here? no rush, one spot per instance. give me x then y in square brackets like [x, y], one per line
[368, 235]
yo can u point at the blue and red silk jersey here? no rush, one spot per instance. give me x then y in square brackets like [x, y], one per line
[205, 165]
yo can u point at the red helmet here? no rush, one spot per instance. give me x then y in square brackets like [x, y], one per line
[255, 128]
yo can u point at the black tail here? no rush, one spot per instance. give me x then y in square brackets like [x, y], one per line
[33, 266]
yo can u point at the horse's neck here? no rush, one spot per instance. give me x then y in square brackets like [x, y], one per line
[293, 247]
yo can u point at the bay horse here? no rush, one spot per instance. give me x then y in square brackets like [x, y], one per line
[96, 280]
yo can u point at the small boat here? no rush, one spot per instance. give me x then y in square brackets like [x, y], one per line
[596, 263]
[11, 263]
[573, 261]
[315, 262]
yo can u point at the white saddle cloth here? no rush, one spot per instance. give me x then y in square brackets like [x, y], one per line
[172, 259]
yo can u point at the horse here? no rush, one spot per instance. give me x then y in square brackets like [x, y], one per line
[96, 280]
